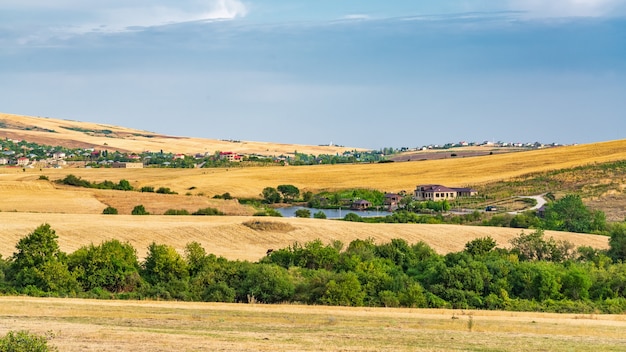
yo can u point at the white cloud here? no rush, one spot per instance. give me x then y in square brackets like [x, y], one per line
[357, 17]
[567, 8]
[116, 15]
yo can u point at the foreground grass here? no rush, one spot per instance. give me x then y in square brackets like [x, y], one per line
[88, 325]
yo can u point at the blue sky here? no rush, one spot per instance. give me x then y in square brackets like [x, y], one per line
[366, 74]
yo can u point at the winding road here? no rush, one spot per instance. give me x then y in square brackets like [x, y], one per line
[541, 201]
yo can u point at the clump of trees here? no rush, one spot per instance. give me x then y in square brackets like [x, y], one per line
[535, 274]
[286, 193]
[72, 180]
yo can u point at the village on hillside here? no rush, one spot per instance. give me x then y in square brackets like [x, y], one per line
[24, 154]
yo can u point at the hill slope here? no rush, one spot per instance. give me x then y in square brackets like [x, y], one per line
[76, 134]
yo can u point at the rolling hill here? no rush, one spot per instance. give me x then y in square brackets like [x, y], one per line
[76, 134]
[28, 200]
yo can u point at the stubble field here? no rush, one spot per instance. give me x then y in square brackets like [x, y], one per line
[86, 325]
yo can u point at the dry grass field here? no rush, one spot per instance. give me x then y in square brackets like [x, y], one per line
[86, 325]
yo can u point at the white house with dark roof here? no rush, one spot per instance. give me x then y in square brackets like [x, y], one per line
[439, 192]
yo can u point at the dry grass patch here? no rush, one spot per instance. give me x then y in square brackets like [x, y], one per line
[269, 226]
[87, 325]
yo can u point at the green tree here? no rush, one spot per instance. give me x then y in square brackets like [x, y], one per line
[344, 289]
[289, 192]
[124, 185]
[38, 262]
[617, 243]
[163, 264]
[268, 283]
[570, 214]
[480, 246]
[271, 195]
[112, 266]
[303, 213]
[576, 283]
[533, 246]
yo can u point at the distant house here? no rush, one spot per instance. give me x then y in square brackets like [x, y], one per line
[360, 204]
[179, 156]
[230, 156]
[439, 192]
[58, 155]
[126, 165]
[4, 161]
[23, 161]
[392, 201]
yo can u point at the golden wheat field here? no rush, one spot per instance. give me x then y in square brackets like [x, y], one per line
[87, 325]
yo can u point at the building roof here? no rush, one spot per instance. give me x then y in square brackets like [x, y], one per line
[435, 188]
[440, 188]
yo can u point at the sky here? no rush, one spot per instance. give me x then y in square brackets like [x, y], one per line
[368, 74]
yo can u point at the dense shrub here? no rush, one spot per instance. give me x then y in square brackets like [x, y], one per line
[109, 210]
[207, 211]
[139, 210]
[23, 341]
[303, 213]
[319, 215]
[165, 190]
[176, 212]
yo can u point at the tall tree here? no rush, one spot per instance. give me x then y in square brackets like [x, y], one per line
[570, 214]
[289, 192]
[271, 195]
[39, 262]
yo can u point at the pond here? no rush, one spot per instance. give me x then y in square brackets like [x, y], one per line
[290, 212]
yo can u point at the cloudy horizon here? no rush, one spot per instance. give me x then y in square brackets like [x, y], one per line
[364, 75]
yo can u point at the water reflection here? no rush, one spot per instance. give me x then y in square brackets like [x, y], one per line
[290, 212]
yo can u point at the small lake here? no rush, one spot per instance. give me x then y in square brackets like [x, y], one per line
[290, 212]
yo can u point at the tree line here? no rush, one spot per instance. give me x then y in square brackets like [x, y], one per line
[535, 274]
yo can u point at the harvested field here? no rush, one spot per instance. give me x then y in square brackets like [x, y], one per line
[87, 325]
[228, 236]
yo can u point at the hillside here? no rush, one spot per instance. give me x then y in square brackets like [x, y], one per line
[27, 200]
[76, 134]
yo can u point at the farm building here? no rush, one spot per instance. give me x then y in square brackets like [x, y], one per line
[439, 192]
[125, 165]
